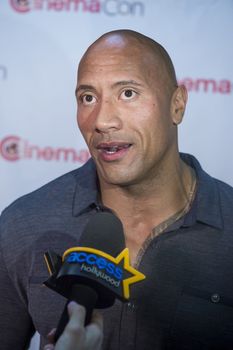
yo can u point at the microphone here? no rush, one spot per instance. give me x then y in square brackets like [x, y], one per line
[96, 272]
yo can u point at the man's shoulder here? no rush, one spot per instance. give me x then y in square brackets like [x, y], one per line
[207, 181]
[214, 197]
[225, 194]
[53, 201]
[47, 195]
[219, 202]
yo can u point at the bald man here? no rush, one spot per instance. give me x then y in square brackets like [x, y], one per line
[177, 219]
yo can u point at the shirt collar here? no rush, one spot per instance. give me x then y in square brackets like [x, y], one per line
[86, 192]
[206, 207]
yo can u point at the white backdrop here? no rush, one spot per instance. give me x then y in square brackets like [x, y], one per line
[41, 42]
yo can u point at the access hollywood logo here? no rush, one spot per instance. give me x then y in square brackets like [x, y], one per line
[108, 7]
[14, 148]
[116, 272]
[97, 265]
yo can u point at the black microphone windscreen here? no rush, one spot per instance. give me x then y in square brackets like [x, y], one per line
[104, 232]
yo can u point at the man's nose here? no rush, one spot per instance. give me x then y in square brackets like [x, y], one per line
[108, 117]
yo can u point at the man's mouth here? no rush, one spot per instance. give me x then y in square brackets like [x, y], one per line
[111, 149]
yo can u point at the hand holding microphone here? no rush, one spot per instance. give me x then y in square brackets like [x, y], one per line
[76, 336]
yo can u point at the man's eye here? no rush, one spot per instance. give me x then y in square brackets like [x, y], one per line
[88, 99]
[128, 94]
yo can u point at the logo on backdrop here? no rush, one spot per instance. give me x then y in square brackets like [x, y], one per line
[108, 7]
[14, 148]
[223, 86]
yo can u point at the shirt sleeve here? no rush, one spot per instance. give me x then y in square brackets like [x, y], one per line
[16, 327]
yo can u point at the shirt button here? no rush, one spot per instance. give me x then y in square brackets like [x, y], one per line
[215, 298]
[131, 306]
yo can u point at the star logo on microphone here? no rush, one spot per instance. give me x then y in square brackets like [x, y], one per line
[116, 270]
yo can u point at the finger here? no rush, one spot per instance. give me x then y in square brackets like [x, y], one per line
[49, 347]
[77, 313]
[94, 337]
[74, 330]
[75, 327]
[94, 332]
[98, 319]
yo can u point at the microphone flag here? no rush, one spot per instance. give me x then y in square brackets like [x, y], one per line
[98, 271]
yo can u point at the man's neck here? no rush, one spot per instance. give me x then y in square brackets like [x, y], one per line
[142, 208]
[154, 202]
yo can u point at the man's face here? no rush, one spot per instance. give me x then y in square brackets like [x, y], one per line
[124, 113]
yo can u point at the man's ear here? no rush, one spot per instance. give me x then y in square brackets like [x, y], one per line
[178, 104]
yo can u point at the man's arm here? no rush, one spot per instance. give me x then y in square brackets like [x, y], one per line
[16, 328]
[75, 335]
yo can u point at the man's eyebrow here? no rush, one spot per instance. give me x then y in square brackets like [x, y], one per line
[88, 87]
[126, 82]
[83, 87]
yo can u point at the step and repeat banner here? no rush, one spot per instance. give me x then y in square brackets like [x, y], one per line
[41, 42]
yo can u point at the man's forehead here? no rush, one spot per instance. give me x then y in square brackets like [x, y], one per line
[111, 46]
[116, 65]
[115, 50]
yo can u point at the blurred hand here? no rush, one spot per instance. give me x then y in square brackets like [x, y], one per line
[75, 335]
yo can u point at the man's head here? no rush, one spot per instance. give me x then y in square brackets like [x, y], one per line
[131, 42]
[128, 107]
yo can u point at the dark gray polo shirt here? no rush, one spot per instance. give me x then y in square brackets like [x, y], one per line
[186, 300]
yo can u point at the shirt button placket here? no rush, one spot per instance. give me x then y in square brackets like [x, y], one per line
[128, 326]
